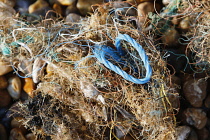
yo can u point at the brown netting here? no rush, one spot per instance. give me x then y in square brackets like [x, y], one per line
[79, 98]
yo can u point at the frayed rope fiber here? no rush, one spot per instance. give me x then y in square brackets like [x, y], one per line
[101, 51]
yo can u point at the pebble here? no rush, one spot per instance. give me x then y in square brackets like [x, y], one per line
[30, 136]
[49, 69]
[21, 6]
[175, 80]
[29, 86]
[171, 37]
[3, 132]
[185, 23]
[84, 6]
[143, 10]
[16, 123]
[125, 8]
[6, 120]
[16, 134]
[3, 83]
[207, 101]
[39, 4]
[24, 96]
[4, 66]
[66, 2]
[203, 134]
[182, 132]
[5, 98]
[196, 117]
[3, 111]
[72, 17]
[41, 13]
[166, 2]
[57, 7]
[72, 8]
[195, 91]
[193, 135]
[14, 87]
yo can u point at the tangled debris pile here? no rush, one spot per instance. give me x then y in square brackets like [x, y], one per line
[198, 34]
[69, 72]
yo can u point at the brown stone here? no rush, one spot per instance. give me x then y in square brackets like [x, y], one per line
[195, 117]
[125, 8]
[207, 101]
[84, 6]
[6, 119]
[49, 69]
[57, 7]
[5, 98]
[16, 123]
[24, 96]
[30, 136]
[72, 17]
[29, 86]
[185, 23]
[66, 2]
[14, 87]
[3, 132]
[193, 135]
[43, 13]
[21, 6]
[166, 2]
[175, 80]
[4, 66]
[3, 82]
[171, 37]
[203, 134]
[39, 4]
[195, 91]
[182, 132]
[71, 9]
[16, 134]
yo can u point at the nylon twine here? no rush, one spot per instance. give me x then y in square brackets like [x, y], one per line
[101, 51]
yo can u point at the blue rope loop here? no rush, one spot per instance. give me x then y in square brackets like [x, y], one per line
[101, 52]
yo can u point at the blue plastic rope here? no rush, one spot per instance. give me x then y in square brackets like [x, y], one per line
[101, 52]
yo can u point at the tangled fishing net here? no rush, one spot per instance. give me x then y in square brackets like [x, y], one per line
[198, 33]
[78, 96]
[193, 19]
